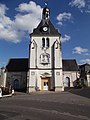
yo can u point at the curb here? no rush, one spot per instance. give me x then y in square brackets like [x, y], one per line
[6, 96]
[9, 95]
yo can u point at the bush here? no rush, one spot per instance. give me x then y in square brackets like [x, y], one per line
[80, 84]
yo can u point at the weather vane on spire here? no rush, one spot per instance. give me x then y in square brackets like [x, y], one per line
[46, 2]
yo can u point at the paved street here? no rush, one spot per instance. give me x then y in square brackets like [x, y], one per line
[45, 106]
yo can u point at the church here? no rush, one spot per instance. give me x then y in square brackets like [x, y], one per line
[44, 70]
[45, 63]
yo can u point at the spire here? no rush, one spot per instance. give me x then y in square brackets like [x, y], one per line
[46, 12]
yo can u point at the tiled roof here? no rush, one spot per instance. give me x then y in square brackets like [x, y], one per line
[70, 65]
[17, 65]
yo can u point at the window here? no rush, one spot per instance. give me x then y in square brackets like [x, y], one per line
[43, 42]
[47, 42]
[33, 44]
[56, 44]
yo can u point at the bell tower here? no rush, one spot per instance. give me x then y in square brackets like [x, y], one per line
[45, 57]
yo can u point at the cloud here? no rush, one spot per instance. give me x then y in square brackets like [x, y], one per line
[78, 3]
[87, 11]
[79, 50]
[63, 17]
[88, 8]
[65, 38]
[6, 31]
[30, 8]
[26, 22]
[82, 5]
[3, 8]
[85, 61]
[27, 18]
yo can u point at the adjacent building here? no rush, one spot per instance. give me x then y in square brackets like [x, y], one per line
[85, 74]
[16, 71]
[3, 77]
[70, 72]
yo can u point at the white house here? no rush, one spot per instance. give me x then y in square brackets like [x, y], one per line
[70, 72]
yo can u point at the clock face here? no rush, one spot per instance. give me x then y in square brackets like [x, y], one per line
[45, 29]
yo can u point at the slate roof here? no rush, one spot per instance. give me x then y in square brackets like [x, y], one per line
[52, 32]
[70, 65]
[17, 65]
[84, 67]
[21, 65]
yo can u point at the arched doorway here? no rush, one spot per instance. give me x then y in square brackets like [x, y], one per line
[67, 82]
[16, 84]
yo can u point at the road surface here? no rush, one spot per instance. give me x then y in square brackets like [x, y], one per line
[45, 106]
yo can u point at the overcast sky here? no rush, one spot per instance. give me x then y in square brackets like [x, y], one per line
[19, 17]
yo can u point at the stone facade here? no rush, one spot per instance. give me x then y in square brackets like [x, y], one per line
[50, 68]
[16, 73]
[45, 62]
[70, 78]
[17, 80]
